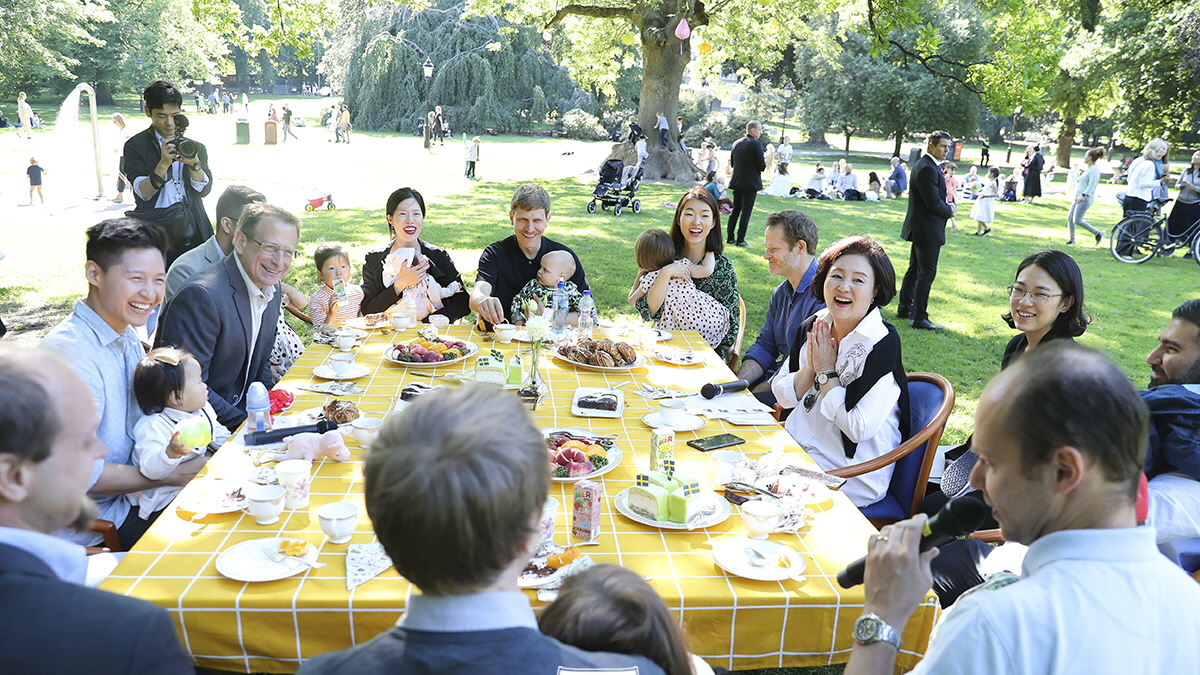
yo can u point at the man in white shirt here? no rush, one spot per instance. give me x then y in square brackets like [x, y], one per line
[227, 314]
[1061, 436]
[229, 209]
[52, 623]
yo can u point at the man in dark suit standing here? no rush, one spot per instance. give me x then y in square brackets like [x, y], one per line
[167, 186]
[925, 227]
[52, 622]
[746, 158]
[226, 315]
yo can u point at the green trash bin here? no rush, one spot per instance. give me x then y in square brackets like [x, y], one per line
[243, 132]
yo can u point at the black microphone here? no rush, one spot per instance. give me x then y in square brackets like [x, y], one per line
[276, 435]
[957, 518]
[715, 390]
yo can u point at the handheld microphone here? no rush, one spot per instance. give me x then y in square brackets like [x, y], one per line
[957, 518]
[715, 390]
[276, 435]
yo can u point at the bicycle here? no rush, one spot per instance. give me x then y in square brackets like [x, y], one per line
[1141, 235]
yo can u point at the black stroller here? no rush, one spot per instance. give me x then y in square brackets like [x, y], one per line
[617, 187]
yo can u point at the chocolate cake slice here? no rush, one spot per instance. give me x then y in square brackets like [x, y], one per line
[603, 401]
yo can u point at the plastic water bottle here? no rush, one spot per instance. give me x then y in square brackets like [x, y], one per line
[258, 408]
[410, 306]
[560, 303]
[587, 315]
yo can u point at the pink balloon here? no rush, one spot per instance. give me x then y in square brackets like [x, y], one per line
[683, 31]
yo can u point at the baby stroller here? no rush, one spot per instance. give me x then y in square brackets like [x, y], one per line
[617, 187]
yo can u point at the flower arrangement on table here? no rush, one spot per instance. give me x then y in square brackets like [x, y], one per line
[538, 328]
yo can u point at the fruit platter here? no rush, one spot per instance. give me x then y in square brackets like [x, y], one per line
[578, 453]
[429, 353]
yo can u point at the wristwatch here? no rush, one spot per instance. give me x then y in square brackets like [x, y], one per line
[823, 377]
[870, 628]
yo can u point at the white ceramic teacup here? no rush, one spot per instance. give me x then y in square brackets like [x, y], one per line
[294, 478]
[338, 521]
[264, 503]
[439, 321]
[400, 320]
[366, 430]
[726, 461]
[672, 412]
[505, 332]
[344, 341]
[549, 515]
[342, 364]
[760, 518]
[609, 329]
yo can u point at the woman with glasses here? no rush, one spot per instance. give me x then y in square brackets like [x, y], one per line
[844, 378]
[410, 263]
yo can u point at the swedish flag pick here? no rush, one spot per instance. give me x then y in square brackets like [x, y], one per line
[643, 480]
[692, 488]
[668, 467]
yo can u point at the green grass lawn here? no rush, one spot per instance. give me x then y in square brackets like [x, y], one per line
[1131, 303]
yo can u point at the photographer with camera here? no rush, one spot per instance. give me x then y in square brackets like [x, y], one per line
[169, 173]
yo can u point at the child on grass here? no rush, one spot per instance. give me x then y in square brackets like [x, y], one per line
[472, 149]
[556, 265]
[611, 609]
[34, 172]
[951, 189]
[169, 390]
[984, 211]
[684, 307]
[336, 299]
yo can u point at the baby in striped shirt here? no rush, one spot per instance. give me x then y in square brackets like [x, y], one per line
[337, 299]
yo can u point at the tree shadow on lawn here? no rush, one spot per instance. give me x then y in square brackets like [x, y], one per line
[27, 323]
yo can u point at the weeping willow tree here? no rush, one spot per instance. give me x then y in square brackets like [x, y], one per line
[486, 73]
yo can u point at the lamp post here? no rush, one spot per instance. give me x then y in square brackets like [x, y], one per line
[427, 131]
[428, 68]
[1008, 155]
[787, 97]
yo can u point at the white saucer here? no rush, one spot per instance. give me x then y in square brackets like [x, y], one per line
[326, 371]
[730, 556]
[690, 423]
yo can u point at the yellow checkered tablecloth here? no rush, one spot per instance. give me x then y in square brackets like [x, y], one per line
[732, 622]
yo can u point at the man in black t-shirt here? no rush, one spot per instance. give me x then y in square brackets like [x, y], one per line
[507, 265]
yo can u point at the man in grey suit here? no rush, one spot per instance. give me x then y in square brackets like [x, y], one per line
[229, 210]
[925, 227]
[52, 622]
[226, 315]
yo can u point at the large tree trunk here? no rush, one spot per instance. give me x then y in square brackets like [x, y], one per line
[848, 132]
[816, 138]
[1066, 138]
[104, 95]
[899, 142]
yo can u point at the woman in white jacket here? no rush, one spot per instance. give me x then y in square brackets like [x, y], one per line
[1142, 176]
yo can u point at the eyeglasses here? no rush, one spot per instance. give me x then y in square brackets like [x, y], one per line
[1038, 297]
[272, 249]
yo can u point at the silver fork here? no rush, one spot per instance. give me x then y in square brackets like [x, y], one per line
[274, 555]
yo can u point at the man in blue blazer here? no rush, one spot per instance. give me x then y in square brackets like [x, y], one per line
[226, 315]
[51, 622]
[925, 227]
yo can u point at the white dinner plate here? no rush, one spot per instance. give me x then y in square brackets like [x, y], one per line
[663, 335]
[248, 561]
[731, 556]
[358, 334]
[326, 371]
[614, 454]
[691, 423]
[211, 495]
[593, 412]
[360, 323]
[724, 510]
[678, 357]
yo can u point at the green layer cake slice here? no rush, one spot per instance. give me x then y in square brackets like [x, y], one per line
[685, 501]
[647, 499]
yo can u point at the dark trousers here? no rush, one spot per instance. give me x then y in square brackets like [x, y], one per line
[662, 136]
[743, 205]
[984, 157]
[470, 169]
[922, 268]
[134, 527]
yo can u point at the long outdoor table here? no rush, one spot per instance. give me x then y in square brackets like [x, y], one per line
[732, 622]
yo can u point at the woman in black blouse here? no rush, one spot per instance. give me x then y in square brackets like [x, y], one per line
[384, 288]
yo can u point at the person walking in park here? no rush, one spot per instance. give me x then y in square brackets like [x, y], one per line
[34, 172]
[1085, 196]
[439, 126]
[985, 152]
[25, 115]
[287, 123]
[984, 211]
[123, 135]
[1033, 175]
[925, 227]
[748, 162]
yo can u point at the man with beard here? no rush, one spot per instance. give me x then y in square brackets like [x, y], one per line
[52, 623]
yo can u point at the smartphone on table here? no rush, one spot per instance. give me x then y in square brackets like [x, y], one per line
[715, 442]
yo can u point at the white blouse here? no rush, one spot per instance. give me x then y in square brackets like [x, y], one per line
[1141, 180]
[874, 423]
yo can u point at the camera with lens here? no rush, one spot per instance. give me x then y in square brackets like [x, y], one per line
[186, 147]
